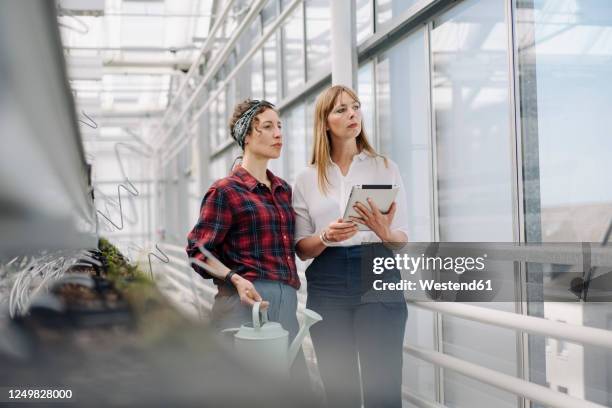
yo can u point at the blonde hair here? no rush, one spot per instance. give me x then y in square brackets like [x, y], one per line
[321, 152]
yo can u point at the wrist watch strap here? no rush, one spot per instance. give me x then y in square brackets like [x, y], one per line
[228, 277]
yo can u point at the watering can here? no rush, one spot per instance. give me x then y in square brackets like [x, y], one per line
[265, 344]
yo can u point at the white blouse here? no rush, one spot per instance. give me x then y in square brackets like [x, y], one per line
[315, 211]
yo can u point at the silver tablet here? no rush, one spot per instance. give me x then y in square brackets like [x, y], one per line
[382, 194]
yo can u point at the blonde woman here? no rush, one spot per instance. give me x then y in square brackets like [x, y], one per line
[354, 336]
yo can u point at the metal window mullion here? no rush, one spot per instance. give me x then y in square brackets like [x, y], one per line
[516, 118]
[435, 223]
[522, 338]
[374, 9]
[149, 188]
[262, 59]
[376, 124]
[521, 307]
[280, 64]
[376, 106]
[304, 42]
[433, 158]
[261, 52]
[280, 55]
[512, 112]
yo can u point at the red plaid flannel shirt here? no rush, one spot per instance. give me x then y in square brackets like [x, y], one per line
[248, 227]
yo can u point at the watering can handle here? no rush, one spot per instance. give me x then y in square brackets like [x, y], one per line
[256, 319]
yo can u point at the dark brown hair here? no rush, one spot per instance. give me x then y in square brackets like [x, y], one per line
[242, 107]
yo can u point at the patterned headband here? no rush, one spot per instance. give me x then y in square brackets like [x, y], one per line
[243, 124]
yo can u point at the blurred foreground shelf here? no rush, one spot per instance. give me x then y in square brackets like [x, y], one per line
[108, 335]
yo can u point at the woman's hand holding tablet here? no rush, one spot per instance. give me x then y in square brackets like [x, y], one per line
[375, 220]
[376, 205]
[339, 230]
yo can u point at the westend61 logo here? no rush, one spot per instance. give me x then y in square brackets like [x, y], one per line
[429, 263]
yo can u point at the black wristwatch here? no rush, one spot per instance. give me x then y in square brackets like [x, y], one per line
[228, 277]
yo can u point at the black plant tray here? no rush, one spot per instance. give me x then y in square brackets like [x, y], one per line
[83, 302]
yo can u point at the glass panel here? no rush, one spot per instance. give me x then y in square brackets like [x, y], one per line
[419, 375]
[318, 37]
[387, 9]
[470, 92]
[564, 55]
[365, 21]
[230, 102]
[173, 202]
[310, 107]
[257, 88]
[471, 107]
[293, 51]
[483, 395]
[183, 159]
[270, 69]
[403, 116]
[269, 12]
[199, 163]
[277, 166]
[252, 72]
[212, 123]
[401, 95]
[218, 167]
[270, 61]
[295, 141]
[365, 91]
[221, 117]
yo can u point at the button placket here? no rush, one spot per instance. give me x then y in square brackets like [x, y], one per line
[282, 217]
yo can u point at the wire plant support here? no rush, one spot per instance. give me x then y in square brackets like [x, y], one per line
[90, 122]
[28, 275]
[128, 187]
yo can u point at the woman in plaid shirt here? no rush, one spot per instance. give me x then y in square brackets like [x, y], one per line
[247, 221]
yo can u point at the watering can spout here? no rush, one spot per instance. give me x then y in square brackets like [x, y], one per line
[310, 318]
